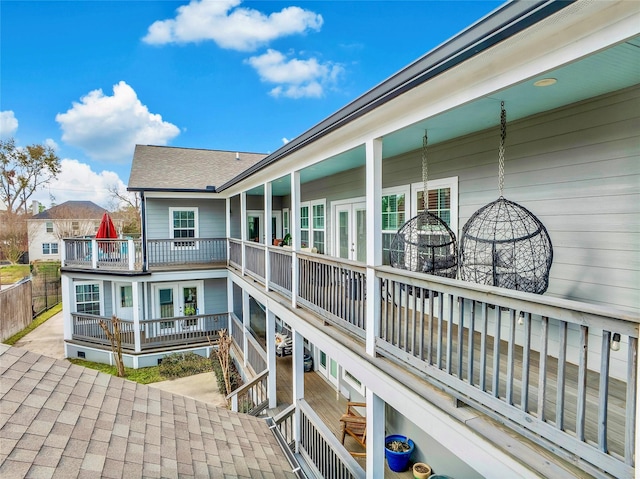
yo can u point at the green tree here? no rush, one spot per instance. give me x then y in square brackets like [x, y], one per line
[22, 171]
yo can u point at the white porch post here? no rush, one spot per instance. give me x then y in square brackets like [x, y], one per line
[131, 250]
[271, 359]
[227, 223]
[268, 233]
[375, 435]
[68, 300]
[230, 303]
[373, 174]
[246, 324]
[137, 313]
[243, 226]
[294, 216]
[298, 382]
[94, 254]
[63, 253]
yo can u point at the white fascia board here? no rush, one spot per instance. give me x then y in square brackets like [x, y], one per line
[479, 453]
[199, 195]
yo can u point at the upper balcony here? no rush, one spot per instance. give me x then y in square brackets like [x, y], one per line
[128, 256]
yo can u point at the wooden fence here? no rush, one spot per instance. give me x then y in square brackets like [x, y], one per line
[15, 309]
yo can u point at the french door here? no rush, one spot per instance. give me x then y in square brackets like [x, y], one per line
[351, 231]
[179, 303]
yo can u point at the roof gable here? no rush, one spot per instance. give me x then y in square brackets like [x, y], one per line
[186, 169]
[72, 210]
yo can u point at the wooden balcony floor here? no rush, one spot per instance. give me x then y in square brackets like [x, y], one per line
[325, 401]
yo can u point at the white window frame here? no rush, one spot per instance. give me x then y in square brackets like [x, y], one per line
[286, 220]
[452, 184]
[310, 204]
[50, 247]
[196, 229]
[100, 294]
[48, 226]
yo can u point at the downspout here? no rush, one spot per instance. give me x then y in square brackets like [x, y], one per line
[143, 236]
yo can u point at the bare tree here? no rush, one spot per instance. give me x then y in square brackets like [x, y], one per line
[224, 344]
[23, 170]
[113, 334]
[13, 236]
[127, 209]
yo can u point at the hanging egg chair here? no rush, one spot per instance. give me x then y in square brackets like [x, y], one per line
[503, 244]
[425, 243]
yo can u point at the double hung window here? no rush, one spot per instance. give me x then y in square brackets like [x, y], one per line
[88, 298]
[312, 225]
[184, 227]
[49, 248]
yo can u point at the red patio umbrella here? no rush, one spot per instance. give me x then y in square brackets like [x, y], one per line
[106, 230]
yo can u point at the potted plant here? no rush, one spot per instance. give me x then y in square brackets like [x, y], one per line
[421, 470]
[397, 450]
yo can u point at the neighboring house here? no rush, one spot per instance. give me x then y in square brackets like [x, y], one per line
[70, 219]
[488, 382]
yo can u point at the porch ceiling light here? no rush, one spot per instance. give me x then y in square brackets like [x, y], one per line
[545, 82]
[615, 343]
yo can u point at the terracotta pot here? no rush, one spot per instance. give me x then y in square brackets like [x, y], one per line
[421, 470]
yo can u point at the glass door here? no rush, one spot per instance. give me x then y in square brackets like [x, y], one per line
[351, 231]
[124, 301]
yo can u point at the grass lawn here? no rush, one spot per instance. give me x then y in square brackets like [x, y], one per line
[13, 273]
[143, 375]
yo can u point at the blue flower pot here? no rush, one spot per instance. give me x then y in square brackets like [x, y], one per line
[398, 461]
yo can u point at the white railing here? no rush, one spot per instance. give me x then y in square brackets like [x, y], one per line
[322, 450]
[335, 289]
[254, 257]
[235, 253]
[181, 330]
[520, 358]
[86, 327]
[185, 251]
[280, 270]
[256, 355]
[154, 333]
[113, 254]
[252, 397]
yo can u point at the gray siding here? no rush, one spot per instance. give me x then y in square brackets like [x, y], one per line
[211, 216]
[576, 168]
[215, 296]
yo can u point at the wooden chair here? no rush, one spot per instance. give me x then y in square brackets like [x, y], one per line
[355, 425]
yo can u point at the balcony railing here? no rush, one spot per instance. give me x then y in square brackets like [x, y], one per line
[154, 333]
[126, 255]
[520, 358]
[335, 289]
[254, 256]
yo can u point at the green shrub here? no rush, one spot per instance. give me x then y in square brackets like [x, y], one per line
[179, 365]
[234, 376]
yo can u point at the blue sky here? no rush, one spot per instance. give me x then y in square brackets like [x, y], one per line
[94, 78]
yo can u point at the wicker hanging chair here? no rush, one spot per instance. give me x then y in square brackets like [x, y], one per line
[425, 243]
[504, 244]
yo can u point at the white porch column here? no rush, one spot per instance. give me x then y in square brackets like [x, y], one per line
[94, 254]
[63, 252]
[375, 436]
[373, 175]
[68, 302]
[137, 313]
[298, 381]
[268, 232]
[243, 226]
[294, 216]
[230, 303]
[246, 324]
[271, 359]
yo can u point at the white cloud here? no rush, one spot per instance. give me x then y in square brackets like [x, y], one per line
[108, 127]
[285, 140]
[77, 181]
[296, 78]
[243, 29]
[8, 124]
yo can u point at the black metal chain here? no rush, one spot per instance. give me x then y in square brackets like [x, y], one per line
[503, 136]
[425, 172]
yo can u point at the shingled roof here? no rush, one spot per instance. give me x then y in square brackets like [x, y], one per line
[185, 169]
[82, 210]
[62, 420]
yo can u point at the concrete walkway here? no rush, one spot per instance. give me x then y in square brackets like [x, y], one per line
[48, 340]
